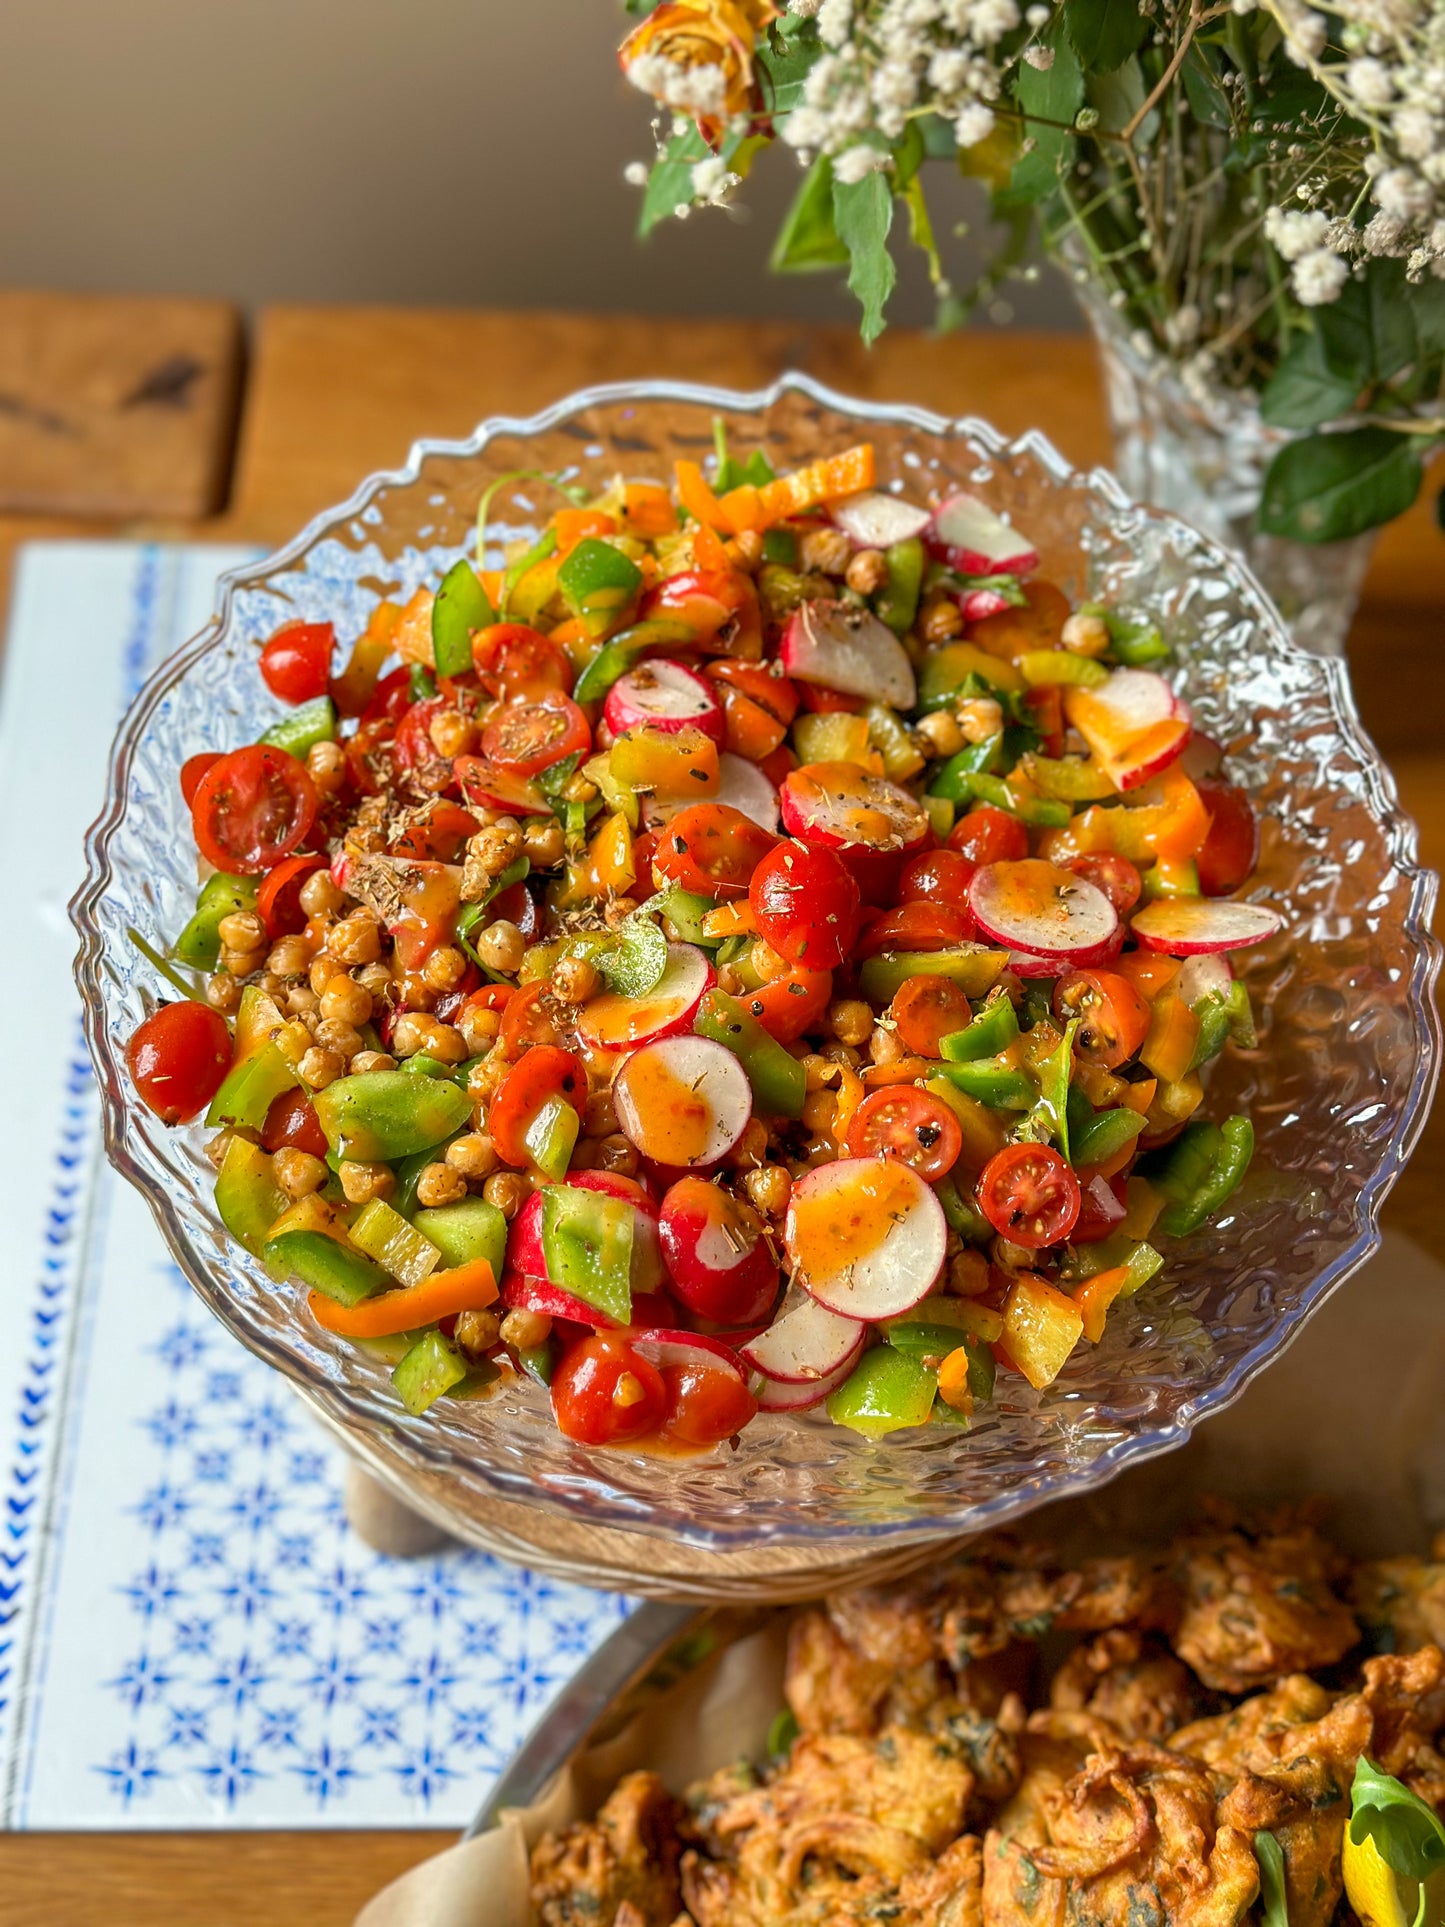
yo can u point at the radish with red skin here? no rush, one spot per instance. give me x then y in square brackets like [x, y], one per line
[872, 824]
[615, 1022]
[1043, 911]
[741, 785]
[975, 604]
[662, 1347]
[1203, 757]
[848, 648]
[967, 535]
[683, 1101]
[865, 1236]
[719, 1262]
[873, 520]
[805, 1342]
[647, 1273]
[665, 696]
[1199, 926]
[520, 1292]
[800, 1395]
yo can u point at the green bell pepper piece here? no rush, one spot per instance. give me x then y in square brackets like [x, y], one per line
[1135, 642]
[901, 756]
[421, 684]
[1103, 1136]
[1068, 779]
[1203, 1172]
[953, 777]
[461, 605]
[624, 650]
[248, 1198]
[199, 944]
[408, 1172]
[538, 1361]
[974, 969]
[327, 1266]
[598, 582]
[1221, 1018]
[946, 672]
[587, 1241]
[940, 813]
[962, 1213]
[888, 1391]
[1050, 668]
[685, 910]
[1050, 1116]
[779, 1081]
[1181, 880]
[1140, 1260]
[1002, 1086]
[921, 1336]
[250, 1088]
[544, 546]
[431, 1367]
[423, 1066]
[466, 1231]
[896, 603]
[389, 1114]
[992, 1031]
[1039, 812]
[403, 1251]
[780, 548]
[551, 1137]
[304, 728]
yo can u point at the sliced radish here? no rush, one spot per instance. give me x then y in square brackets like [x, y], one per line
[865, 1236]
[805, 1342]
[847, 648]
[1046, 912]
[525, 1253]
[1146, 755]
[872, 823]
[663, 1348]
[522, 1293]
[799, 1395]
[666, 695]
[1195, 926]
[615, 1022]
[975, 604]
[1130, 701]
[498, 789]
[1202, 757]
[1207, 974]
[684, 1101]
[741, 785]
[721, 1265]
[876, 521]
[1024, 964]
[967, 535]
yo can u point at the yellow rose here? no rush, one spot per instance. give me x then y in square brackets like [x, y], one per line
[696, 57]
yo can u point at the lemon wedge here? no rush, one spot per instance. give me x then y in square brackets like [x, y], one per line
[1383, 1898]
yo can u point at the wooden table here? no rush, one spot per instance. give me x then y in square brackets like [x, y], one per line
[336, 393]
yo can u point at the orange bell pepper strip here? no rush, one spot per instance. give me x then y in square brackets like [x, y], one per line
[730, 920]
[353, 688]
[1095, 1296]
[698, 499]
[824, 481]
[708, 551]
[742, 509]
[468, 1287]
[611, 866]
[648, 509]
[1138, 1097]
[412, 641]
[1147, 971]
[573, 525]
[1168, 1050]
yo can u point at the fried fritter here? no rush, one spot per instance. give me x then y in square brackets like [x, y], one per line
[1022, 1592]
[1257, 1606]
[1404, 1599]
[1128, 1679]
[627, 1858]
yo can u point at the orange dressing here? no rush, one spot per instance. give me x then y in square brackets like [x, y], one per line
[844, 1224]
[676, 1121]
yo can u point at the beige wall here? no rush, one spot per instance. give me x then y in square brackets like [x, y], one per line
[430, 151]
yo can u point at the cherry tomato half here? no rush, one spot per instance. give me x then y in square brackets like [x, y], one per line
[1116, 876]
[514, 660]
[292, 1121]
[193, 769]
[296, 662]
[791, 1005]
[366, 754]
[1029, 1195]
[928, 1009]
[917, 926]
[413, 753]
[711, 848]
[705, 1406]
[1113, 1017]
[178, 1058]
[603, 1393]
[805, 903]
[391, 698]
[989, 835]
[439, 834]
[530, 734]
[527, 1019]
[252, 808]
[936, 876]
[278, 901]
[906, 1123]
[1231, 848]
[544, 1072]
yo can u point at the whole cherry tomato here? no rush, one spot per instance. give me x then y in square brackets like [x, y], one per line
[292, 1121]
[178, 1059]
[936, 876]
[917, 926]
[805, 904]
[989, 835]
[909, 1124]
[926, 1010]
[296, 662]
[1029, 1195]
[1116, 876]
[1113, 1018]
[414, 755]
[791, 1005]
[1231, 848]
[515, 660]
[252, 808]
[530, 734]
[439, 834]
[711, 848]
[705, 1405]
[604, 1393]
[278, 901]
[193, 769]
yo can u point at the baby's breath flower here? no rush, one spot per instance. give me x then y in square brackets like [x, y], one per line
[711, 181]
[857, 163]
[973, 125]
[834, 18]
[1293, 234]
[1317, 277]
[1040, 57]
[635, 173]
[1369, 80]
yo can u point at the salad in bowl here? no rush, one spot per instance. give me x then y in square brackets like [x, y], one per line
[759, 948]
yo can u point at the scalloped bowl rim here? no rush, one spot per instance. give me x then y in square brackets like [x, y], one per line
[413, 1440]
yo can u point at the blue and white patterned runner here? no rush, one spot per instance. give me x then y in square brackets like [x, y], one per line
[190, 1636]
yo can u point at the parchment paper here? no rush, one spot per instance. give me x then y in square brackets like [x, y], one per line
[1354, 1410]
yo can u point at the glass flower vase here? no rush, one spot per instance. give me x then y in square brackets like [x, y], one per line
[1202, 454]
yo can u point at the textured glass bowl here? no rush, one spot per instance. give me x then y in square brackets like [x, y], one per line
[1338, 1087]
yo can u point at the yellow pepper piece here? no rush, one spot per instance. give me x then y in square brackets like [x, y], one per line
[412, 640]
[1168, 1050]
[680, 763]
[1041, 1326]
[609, 857]
[1095, 1296]
[953, 1386]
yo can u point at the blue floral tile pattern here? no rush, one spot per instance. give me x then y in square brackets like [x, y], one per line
[190, 1634]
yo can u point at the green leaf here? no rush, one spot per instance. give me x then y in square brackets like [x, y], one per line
[786, 64]
[1049, 101]
[1305, 391]
[863, 212]
[1368, 333]
[920, 227]
[1274, 1900]
[1117, 97]
[669, 185]
[808, 239]
[1428, 304]
[1324, 488]
[1207, 99]
[1407, 1833]
[1105, 32]
[636, 965]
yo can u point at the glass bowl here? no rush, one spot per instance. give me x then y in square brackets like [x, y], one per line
[1338, 1086]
